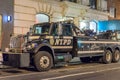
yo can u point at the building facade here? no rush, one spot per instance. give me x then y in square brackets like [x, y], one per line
[79, 10]
[6, 21]
[114, 9]
[24, 13]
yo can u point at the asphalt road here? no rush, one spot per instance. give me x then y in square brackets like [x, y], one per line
[75, 71]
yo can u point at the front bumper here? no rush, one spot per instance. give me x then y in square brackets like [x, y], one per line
[16, 59]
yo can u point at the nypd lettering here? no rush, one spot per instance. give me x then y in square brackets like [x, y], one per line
[63, 42]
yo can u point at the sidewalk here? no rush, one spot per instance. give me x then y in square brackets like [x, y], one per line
[1, 59]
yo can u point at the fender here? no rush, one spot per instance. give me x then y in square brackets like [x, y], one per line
[45, 45]
[117, 47]
[110, 48]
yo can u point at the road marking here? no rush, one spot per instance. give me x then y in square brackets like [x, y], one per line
[19, 75]
[84, 73]
[35, 73]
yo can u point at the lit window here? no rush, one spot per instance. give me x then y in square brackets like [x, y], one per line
[93, 4]
[93, 26]
[84, 25]
[40, 18]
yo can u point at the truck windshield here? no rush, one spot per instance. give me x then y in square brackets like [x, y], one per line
[62, 29]
[41, 28]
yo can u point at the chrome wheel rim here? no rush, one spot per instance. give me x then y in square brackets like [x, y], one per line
[117, 56]
[44, 61]
[108, 56]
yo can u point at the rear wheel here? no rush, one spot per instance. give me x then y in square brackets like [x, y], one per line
[43, 61]
[107, 58]
[116, 56]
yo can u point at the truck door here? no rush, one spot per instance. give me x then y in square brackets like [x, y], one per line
[62, 36]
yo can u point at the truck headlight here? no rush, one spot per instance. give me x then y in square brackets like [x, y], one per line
[31, 46]
[34, 45]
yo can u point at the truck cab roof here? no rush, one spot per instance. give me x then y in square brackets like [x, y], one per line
[54, 28]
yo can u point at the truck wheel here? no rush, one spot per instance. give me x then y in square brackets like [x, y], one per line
[116, 56]
[43, 61]
[85, 59]
[107, 58]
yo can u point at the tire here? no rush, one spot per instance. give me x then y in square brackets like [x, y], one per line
[85, 59]
[116, 56]
[107, 58]
[43, 61]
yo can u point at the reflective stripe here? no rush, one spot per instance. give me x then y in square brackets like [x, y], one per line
[82, 52]
[49, 37]
[33, 37]
[61, 47]
[55, 37]
[107, 42]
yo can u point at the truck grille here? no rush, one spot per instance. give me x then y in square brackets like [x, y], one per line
[16, 42]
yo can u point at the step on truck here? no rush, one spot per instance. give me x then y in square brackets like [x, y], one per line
[47, 44]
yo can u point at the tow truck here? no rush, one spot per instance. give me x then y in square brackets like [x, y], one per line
[47, 44]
